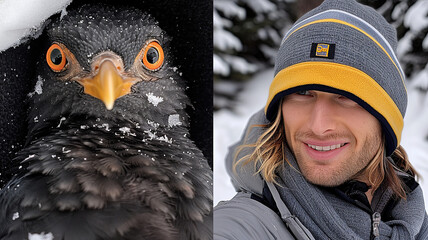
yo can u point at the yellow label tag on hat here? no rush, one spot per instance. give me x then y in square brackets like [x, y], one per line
[323, 50]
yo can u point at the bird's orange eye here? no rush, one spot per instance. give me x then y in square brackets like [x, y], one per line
[153, 56]
[56, 58]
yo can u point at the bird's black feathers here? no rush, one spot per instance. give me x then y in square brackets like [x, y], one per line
[92, 173]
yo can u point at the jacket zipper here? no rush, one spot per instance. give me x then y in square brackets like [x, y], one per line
[376, 217]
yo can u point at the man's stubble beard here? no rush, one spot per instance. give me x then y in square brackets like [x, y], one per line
[346, 169]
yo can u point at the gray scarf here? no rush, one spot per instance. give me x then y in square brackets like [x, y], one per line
[329, 217]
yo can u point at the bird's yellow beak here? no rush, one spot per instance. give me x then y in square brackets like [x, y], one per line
[107, 85]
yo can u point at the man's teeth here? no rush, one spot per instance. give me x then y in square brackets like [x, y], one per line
[326, 148]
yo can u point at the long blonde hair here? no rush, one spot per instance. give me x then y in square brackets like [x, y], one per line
[269, 152]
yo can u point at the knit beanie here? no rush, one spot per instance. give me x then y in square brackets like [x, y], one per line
[345, 48]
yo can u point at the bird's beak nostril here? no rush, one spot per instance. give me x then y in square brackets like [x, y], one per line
[107, 85]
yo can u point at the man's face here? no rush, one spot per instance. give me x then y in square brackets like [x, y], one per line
[332, 137]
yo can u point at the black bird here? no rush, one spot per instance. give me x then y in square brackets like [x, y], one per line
[108, 154]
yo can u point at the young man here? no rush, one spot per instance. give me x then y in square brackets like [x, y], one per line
[324, 161]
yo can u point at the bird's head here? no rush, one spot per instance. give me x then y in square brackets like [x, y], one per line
[109, 63]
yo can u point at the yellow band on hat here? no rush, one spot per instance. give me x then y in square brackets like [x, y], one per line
[340, 77]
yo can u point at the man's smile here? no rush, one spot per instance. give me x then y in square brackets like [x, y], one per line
[324, 152]
[326, 148]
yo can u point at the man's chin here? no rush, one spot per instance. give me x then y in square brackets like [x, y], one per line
[329, 175]
[325, 183]
[324, 180]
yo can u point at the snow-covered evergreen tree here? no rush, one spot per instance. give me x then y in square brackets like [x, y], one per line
[410, 18]
[247, 34]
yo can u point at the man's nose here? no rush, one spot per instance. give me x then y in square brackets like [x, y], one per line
[323, 117]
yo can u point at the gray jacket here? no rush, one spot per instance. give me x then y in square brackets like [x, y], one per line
[242, 217]
[246, 218]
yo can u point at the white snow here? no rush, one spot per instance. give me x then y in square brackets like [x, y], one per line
[153, 124]
[154, 99]
[225, 40]
[425, 43]
[29, 157]
[174, 120]
[405, 44]
[65, 151]
[38, 88]
[385, 7]
[15, 216]
[399, 10]
[220, 66]
[41, 236]
[164, 138]
[20, 19]
[269, 33]
[420, 79]
[230, 9]
[415, 131]
[229, 126]
[63, 13]
[417, 16]
[240, 64]
[226, 87]
[220, 22]
[126, 131]
[106, 126]
[261, 5]
[269, 52]
[60, 122]
[153, 135]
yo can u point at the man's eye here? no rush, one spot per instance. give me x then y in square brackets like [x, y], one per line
[305, 93]
[347, 102]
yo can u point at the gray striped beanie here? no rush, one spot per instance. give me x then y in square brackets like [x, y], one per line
[346, 48]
